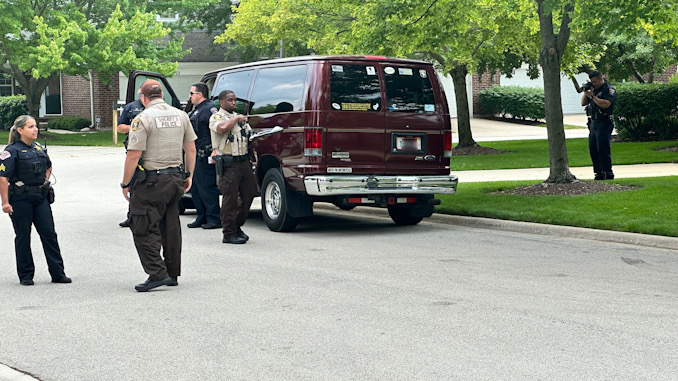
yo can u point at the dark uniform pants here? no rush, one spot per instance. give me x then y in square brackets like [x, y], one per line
[154, 222]
[238, 180]
[33, 209]
[600, 135]
[205, 192]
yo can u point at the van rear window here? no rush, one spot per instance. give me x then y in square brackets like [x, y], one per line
[408, 89]
[355, 88]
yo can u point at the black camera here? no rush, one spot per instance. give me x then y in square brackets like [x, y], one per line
[587, 86]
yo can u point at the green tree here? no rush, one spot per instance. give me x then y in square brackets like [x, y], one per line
[40, 39]
[460, 35]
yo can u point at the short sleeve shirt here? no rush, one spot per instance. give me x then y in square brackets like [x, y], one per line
[607, 92]
[18, 163]
[160, 132]
[200, 120]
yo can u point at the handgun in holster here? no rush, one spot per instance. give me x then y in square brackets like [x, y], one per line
[222, 162]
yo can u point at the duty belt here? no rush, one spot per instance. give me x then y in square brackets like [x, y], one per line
[239, 158]
[29, 188]
[164, 171]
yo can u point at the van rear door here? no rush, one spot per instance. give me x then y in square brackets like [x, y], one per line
[355, 120]
[416, 119]
[137, 77]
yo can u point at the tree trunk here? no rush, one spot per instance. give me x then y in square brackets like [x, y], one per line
[550, 56]
[33, 88]
[463, 110]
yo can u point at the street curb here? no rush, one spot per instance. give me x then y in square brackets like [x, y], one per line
[656, 241]
[9, 374]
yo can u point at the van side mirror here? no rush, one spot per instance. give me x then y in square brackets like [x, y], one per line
[268, 132]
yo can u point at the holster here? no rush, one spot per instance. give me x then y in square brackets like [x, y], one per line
[48, 192]
[141, 173]
[222, 162]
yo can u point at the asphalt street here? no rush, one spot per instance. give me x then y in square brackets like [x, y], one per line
[347, 296]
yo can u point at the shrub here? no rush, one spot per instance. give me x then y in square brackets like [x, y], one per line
[514, 101]
[646, 111]
[71, 123]
[10, 108]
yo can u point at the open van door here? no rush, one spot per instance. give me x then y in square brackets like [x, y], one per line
[137, 77]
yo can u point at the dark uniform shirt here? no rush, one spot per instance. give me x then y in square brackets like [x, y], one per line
[598, 114]
[200, 120]
[128, 114]
[28, 164]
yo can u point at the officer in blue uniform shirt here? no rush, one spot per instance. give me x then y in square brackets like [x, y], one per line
[125, 119]
[599, 100]
[26, 197]
[205, 192]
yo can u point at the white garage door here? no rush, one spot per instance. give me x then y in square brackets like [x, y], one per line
[571, 99]
[448, 86]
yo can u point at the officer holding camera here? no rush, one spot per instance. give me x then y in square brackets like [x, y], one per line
[205, 192]
[26, 197]
[599, 98]
[230, 138]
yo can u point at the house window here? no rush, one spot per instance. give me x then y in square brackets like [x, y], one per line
[5, 85]
[53, 97]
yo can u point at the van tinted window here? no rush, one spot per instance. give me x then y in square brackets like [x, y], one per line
[355, 88]
[408, 90]
[278, 89]
[239, 83]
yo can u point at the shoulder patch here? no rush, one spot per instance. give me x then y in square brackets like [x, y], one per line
[135, 124]
[213, 110]
[612, 91]
[217, 117]
[5, 155]
[2, 167]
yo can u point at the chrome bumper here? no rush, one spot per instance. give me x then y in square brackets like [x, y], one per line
[389, 184]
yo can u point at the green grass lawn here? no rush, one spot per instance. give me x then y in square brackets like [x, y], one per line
[534, 154]
[648, 210]
[97, 138]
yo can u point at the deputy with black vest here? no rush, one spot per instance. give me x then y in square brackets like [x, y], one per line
[230, 137]
[26, 196]
[157, 137]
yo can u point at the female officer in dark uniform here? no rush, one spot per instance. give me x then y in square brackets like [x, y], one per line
[25, 192]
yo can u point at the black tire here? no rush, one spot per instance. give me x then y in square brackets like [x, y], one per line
[275, 203]
[402, 215]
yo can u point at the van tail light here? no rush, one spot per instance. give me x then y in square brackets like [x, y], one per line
[313, 141]
[448, 143]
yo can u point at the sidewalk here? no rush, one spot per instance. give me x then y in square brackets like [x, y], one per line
[484, 130]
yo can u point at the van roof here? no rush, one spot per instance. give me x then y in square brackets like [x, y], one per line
[366, 58]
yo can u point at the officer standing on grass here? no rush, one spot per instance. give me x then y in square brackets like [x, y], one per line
[599, 99]
[156, 140]
[204, 191]
[230, 138]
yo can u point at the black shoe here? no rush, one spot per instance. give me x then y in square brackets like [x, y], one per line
[62, 280]
[599, 176]
[211, 225]
[124, 224]
[609, 176]
[242, 234]
[195, 224]
[151, 284]
[235, 239]
[174, 281]
[27, 282]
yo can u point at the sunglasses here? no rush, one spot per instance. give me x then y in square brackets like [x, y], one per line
[195, 92]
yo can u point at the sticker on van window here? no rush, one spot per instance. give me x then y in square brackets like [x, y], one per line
[404, 71]
[355, 106]
[422, 73]
[429, 108]
[338, 68]
[389, 70]
[375, 107]
[371, 70]
[336, 106]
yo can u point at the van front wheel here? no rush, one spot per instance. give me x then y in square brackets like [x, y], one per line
[275, 203]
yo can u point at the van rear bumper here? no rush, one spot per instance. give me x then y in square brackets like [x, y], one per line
[386, 184]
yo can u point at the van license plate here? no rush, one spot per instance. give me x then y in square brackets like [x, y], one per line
[406, 143]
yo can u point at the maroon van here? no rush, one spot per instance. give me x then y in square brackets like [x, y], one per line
[348, 130]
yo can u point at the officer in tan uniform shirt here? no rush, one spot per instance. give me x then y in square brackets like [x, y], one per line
[157, 137]
[230, 136]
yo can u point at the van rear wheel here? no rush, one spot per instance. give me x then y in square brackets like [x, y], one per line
[402, 215]
[275, 203]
